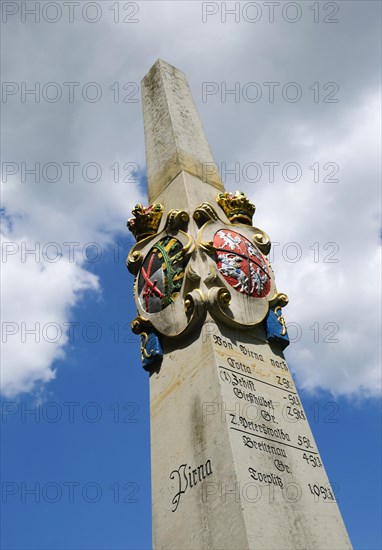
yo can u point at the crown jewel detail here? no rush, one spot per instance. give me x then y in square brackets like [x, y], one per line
[146, 220]
[236, 207]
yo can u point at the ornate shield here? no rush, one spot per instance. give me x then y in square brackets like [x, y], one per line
[161, 275]
[241, 264]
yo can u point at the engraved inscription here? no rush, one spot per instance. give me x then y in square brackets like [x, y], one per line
[265, 477]
[277, 448]
[186, 477]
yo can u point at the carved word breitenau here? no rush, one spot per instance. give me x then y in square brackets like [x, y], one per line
[187, 477]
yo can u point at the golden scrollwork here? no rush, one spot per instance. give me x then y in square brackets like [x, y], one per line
[143, 344]
[177, 219]
[134, 260]
[207, 246]
[204, 213]
[279, 299]
[189, 247]
[212, 274]
[262, 241]
[280, 319]
[138, 324]
[192, 274]
[193, 300]
[224, 296]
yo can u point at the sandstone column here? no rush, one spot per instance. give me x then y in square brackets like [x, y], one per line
[234, 463]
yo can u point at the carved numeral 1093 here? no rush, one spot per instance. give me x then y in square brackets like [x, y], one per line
[319, 490]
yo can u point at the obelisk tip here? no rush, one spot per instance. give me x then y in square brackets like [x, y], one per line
[174, 136]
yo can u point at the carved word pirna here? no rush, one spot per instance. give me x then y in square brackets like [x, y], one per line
[186, 478]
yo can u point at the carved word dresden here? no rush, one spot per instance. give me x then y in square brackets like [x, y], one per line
[188, 478]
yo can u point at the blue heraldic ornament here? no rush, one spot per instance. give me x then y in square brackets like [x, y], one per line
[151, 350]
[276, 329]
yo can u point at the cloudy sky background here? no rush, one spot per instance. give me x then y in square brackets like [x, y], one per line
[324, 220]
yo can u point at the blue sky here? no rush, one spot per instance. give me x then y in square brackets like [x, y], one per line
[106, 443]
[324, 226]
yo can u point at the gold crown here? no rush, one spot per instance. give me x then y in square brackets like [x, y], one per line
[236, 207]
[146, 220]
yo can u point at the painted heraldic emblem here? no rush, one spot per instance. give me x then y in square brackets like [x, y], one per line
[241, 264]
[161, 275]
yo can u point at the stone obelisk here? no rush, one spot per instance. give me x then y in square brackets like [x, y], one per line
[234, 463]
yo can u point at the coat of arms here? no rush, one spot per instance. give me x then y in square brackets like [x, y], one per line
[161, 275]
[241, 264]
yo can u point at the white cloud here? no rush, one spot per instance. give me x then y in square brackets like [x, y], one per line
[338, 298]
[38, 298]
[40, 289]
[109, 132]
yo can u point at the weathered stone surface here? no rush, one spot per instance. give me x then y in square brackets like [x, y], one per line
[225, 397]
[174, 136]
[234, 462]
